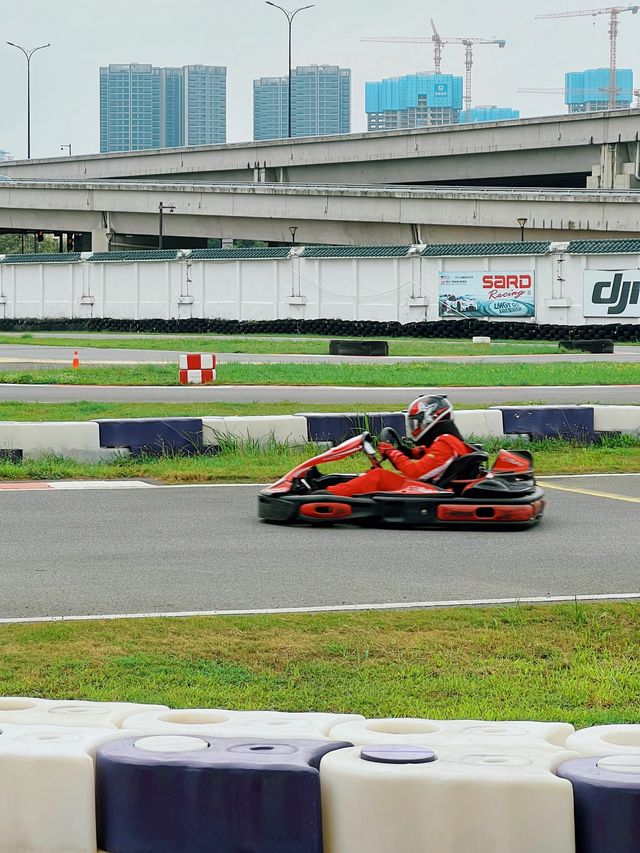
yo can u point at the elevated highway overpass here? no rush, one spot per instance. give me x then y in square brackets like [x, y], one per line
[599, 150]
[113, 211]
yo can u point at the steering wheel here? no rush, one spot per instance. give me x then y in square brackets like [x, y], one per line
[390, 435]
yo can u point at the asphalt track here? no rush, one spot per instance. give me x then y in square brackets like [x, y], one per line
[310, 396]
[175, 549]
[22, 356]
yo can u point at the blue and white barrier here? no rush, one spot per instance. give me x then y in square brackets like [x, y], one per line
[120, 778]
[100, 439]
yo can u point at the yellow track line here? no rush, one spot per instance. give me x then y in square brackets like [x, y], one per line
[609, 495]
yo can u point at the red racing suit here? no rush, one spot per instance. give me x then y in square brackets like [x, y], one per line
[427, 462]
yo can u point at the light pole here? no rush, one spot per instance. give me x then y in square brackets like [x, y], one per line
[28, 54]
[67, 146]
[162, 207]
[522, 222]
[289, 16]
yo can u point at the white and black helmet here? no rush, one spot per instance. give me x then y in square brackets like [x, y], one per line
[424, 413]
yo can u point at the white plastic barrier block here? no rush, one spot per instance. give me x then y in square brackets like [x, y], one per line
[485, 423]
[23, 711]
[47, 790]
[77, 440]
[457, 800]
[471, 733]
[606, 740]
[616, 419]
[283, 429]
[225, 723]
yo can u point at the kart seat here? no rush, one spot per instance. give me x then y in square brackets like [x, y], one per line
[465, 467]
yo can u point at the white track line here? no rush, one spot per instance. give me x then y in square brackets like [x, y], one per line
[332, 608]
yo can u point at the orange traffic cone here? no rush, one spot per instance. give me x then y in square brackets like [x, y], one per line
[76, 361]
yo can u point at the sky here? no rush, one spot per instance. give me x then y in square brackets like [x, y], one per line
[250, 38]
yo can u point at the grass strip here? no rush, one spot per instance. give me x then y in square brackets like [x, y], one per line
[87, 410]
[246, 463]
[299, 345]
[575, 663]
[360, 375]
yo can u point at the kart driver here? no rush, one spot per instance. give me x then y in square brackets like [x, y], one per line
[437, 440]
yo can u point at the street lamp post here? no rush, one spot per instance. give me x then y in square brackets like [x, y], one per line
[28, 54]
[289, 16]
[522, 222]
[162, 207]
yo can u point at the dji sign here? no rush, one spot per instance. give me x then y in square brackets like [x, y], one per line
[612, 293]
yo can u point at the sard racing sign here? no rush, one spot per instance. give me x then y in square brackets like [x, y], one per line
[487, 294]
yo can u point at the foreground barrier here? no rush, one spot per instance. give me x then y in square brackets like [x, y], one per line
[78, 776]
[159, 436]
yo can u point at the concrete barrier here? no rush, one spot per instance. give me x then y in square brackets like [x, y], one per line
[483, 423]
[281, 429]
[77, 440]
[625, 419]
[106, 438]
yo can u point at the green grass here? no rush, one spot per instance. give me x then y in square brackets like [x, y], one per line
[409, 374]
[247, 463]
[574, 663]
[285, 345]
[87, 410]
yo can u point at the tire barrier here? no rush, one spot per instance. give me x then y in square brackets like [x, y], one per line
[197, 368]
[167, 794]
[438, 329]
[597, 345]
[369, 348]
[606, 794]
[451, 800]
[124, 777]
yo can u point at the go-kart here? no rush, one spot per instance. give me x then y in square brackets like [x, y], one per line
[465, 493]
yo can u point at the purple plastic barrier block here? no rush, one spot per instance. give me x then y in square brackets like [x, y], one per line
[155, 436]
[336, 428]
[606, 794]
[549, 421]
[198, 794]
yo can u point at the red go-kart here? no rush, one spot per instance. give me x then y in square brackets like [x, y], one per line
[466, 493]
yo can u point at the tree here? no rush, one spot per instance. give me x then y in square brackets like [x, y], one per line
[11, 244]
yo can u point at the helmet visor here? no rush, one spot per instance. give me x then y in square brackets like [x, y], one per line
[416, 422]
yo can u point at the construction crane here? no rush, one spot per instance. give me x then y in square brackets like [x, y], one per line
[437, 41]
[636, 92]
[613, 12]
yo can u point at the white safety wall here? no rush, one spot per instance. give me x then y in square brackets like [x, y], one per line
[403, 289]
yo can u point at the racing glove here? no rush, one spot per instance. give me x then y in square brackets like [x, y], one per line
[385, 449]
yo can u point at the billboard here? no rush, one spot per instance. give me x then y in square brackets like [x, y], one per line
[611, 293]
[487, 294]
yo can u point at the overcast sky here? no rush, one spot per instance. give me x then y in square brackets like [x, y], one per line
[250, 39]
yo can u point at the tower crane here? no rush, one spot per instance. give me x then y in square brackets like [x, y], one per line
[614, 12]
[437, 41]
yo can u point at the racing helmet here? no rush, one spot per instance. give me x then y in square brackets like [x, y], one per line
[424, 413]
